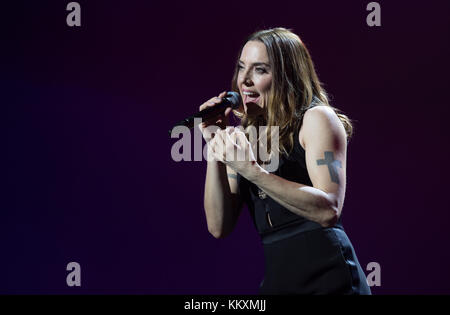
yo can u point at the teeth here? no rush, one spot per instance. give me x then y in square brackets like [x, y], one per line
[251, 93]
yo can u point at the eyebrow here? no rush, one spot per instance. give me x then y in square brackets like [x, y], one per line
[257, 63]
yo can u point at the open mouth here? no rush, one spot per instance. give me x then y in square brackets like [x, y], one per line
[250, 97]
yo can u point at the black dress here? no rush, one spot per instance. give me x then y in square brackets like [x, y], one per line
[301, 257]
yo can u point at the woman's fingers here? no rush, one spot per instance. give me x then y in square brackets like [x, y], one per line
[227, 111]
[212, 101]
[229, 130]
[230, 145]
[221, 120]
[231, 135]
[217, 145]
[211, 150]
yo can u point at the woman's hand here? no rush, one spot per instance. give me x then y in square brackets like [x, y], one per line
[231, 147]
[216, 123]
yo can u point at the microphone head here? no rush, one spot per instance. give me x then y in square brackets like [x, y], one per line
[234, 98]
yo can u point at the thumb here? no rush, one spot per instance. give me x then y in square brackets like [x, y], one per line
[227, 111]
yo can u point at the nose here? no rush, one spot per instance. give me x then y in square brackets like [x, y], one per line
[247, 80]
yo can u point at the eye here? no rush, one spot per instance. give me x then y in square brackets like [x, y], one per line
[260, 70]
[240, 67]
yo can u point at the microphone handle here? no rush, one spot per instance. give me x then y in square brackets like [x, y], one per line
[205, 114]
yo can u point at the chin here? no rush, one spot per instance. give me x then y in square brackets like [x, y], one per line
[252, 109]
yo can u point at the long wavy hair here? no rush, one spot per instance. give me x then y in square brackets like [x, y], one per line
[295, 86]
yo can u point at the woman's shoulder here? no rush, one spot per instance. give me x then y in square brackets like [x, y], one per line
[319, 118]
[319, 112]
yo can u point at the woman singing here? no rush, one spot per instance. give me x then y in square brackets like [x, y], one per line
[296, 208]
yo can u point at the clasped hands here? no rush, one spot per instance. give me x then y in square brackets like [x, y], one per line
[231, 147]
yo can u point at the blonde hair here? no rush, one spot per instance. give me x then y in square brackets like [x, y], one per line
[295, 85]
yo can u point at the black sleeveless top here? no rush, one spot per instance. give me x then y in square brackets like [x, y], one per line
[272, 220]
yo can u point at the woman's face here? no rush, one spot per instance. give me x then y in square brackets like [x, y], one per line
[254, 76]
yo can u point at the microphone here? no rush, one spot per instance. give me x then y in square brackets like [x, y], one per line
[231, 99]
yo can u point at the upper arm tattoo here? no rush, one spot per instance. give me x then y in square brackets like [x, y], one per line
[332, 165]
[230, 175]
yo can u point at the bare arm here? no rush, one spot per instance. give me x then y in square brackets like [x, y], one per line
[222, 201]
[325, 146]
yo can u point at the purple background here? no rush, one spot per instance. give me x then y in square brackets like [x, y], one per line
[89, 174]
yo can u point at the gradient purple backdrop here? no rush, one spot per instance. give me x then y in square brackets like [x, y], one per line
[89, 174]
